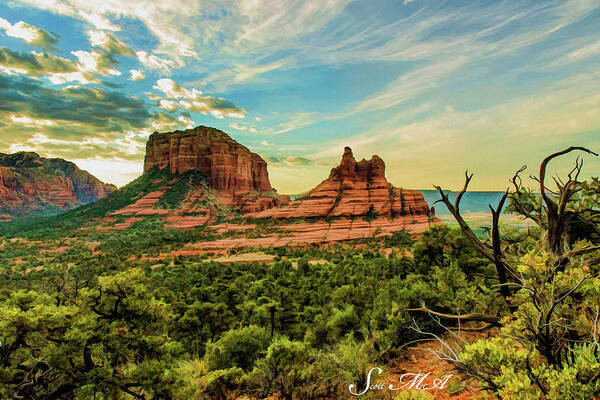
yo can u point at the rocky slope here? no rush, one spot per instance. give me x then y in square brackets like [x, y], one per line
[238, 175]
[354, 202]
[33, 185]
[354, 189]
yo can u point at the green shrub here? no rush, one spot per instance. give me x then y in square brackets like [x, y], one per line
[238, 348]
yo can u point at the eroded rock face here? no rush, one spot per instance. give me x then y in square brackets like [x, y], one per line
[229, 166]
[30, 184]
[238, 174]
[354, 189]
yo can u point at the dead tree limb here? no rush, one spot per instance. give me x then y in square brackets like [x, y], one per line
[490, 319]
[493, 252]
[557, 216]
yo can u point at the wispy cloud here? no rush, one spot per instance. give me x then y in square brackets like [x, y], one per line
[289, 161]
[405, 79]
[491, 141]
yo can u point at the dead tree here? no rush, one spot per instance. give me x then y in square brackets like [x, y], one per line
[560, 224]
[563, 218]
[492, 252]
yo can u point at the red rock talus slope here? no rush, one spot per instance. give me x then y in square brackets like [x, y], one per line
[239, 175]
[354, 189]
[30, 184]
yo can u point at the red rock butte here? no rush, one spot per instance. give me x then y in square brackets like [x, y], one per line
[228, 165]
[239, 175]
[354, 189]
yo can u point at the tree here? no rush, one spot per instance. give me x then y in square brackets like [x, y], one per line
[109, 340]
[549, 277]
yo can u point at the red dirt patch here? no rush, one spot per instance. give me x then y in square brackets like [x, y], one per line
[317, 232]
[123, 225]
[185, 222]
[420, 359]
[143, 206]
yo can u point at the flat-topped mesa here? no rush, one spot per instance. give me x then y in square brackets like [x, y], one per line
[239, 175]
[354, 189]
[228, 165]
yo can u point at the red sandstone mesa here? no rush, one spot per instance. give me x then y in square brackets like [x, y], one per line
[228, 165]
[354, 189]
[239, 175]
[31, 184]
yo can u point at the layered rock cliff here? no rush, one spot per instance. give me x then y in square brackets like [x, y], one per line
[33, 185]
[240, 176]
[354, 189]
[228, 165]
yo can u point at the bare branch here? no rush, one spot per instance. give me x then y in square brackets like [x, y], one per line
[516, 179]
[490, 319]
[494, 254]
[549, 202]
[464, 190]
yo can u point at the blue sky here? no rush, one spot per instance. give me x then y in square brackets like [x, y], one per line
[433, 87]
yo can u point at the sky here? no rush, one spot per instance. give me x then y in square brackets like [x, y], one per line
[433, 87]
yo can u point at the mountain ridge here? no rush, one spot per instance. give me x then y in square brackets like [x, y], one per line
[33, 185]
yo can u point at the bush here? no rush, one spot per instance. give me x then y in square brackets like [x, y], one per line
[237, 348]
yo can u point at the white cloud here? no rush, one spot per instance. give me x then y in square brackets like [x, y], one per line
[166, 21]
[155, 62]
[172, 89]
[186, 121]
[237, 114]
[97, 19]
[238, 127]
[193, 100]
[265, 143]
[109, 43]
[82, 77]
[169, 105]
[31, 34]
[136, 75]
[95, 62]
[217, 114]
[30, 122]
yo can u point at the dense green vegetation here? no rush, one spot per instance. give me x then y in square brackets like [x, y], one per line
[188, 329]
[89, 314]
